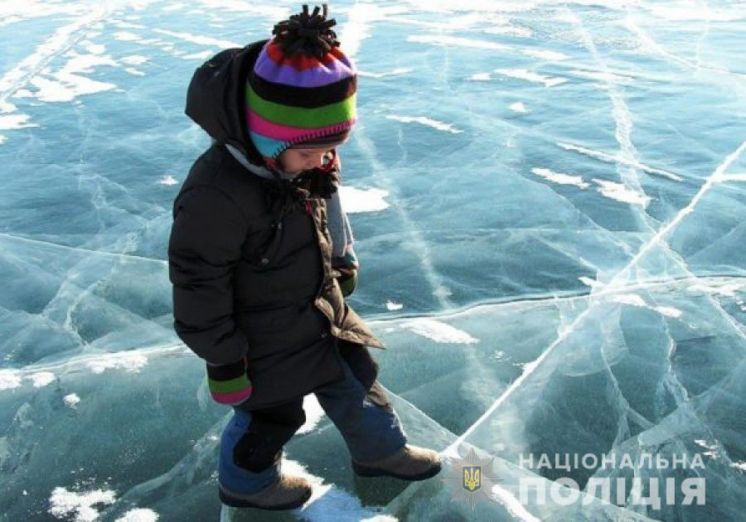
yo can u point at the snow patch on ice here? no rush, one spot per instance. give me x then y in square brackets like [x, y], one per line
[15, 121]
[363, 200]
[456, 41]
[390, 305]
[174, 7]
[394, 72]
[93, 48]
[438, 331]
[702, 443]
[130, 362]
[545, 54]
[590, 282]
[14, 12]
[424, 120]
[630, 299]
[128, 25]
[168, 180]
[41, 379]
[9, 379]
[531, 76]
[480, 77]
[125, 36]
[357, 26]
[5, 106]
[683, 11]
[619, 192]
[68, 83]
[202, 55]
[558, 177]
[34, 64]
[602, 76]
[636, 300]
[134, 59]
[713, 450]
[724, 289]
[71, 400]
[615, 158]
[453, 22]
[517, 107]
[64, 503]
[668, 311]
[511, 30]
[199, 39]
[244, 6]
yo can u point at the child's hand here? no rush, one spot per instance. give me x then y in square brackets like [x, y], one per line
[348, 267]
[229, 384]
[347, 280]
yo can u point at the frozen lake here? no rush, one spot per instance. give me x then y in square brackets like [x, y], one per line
[549, 203]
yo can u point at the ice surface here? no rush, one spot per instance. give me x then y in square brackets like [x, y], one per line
[548, 201]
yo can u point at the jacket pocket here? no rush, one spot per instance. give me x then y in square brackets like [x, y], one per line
[264, 255]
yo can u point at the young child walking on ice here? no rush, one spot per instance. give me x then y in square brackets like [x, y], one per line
[261, 259]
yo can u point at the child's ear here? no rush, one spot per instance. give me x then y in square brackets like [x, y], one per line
[331, 160]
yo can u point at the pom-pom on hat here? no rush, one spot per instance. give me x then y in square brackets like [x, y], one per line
[302, 88]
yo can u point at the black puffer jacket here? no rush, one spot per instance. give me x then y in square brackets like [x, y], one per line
[250, 258]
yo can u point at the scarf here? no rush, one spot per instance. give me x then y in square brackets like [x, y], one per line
[337, 221]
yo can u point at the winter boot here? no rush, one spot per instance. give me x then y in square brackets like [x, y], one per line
[250, 468]
[408, 463]
[289, 492]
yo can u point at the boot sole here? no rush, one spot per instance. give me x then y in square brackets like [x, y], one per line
[238, 503]
[364, 471]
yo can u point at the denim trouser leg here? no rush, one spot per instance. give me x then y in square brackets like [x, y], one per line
[370, 430]
[252, 443]
[255, 438]
[231, 477]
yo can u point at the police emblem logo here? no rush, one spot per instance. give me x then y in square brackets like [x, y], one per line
[472, 477]
[469, 478]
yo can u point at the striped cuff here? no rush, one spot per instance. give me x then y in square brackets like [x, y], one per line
[229, 383]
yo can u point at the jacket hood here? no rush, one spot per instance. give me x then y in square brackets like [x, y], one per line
[216, 100]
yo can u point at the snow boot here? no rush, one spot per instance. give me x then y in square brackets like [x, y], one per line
[407, 463]
[289, 492]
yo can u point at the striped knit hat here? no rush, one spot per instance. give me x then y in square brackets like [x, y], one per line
[302, 88]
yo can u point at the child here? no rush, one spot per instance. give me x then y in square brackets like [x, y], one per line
[261, 258]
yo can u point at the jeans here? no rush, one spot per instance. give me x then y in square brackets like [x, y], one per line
[252, 441]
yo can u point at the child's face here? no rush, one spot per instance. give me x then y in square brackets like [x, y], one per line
[295, 161]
